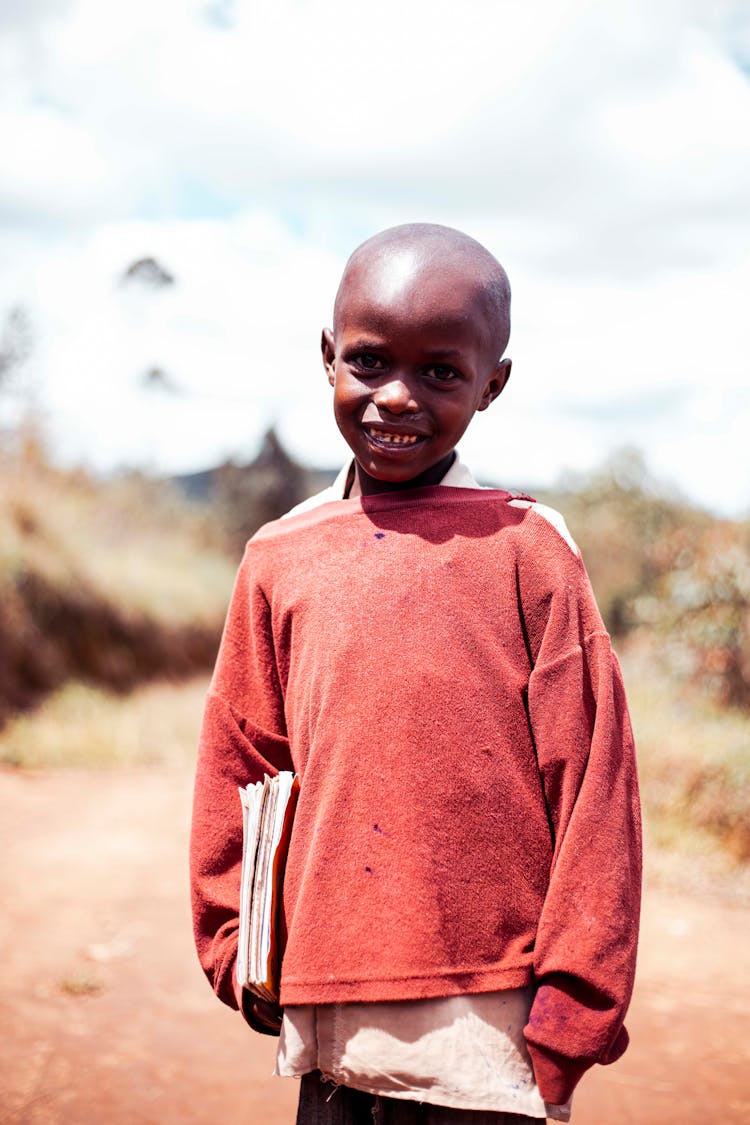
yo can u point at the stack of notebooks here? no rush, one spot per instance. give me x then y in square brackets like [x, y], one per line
[267, 815]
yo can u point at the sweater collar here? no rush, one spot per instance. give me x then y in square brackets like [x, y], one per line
[458, 476]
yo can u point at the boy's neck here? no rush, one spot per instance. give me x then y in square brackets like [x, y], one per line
[362, 484]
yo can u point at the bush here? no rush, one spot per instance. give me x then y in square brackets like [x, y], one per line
[658, 564]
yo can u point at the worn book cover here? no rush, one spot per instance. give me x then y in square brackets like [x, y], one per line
[267, 816]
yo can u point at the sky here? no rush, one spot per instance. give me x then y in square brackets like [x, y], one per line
[599, 148]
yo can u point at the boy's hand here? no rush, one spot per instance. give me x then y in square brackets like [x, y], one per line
[264, 1015]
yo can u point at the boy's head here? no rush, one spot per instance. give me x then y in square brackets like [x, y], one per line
[420, 325]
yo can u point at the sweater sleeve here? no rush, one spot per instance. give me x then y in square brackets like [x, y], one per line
[243, 737]
[584, 960]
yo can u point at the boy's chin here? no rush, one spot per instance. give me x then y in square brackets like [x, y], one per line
[396, 461]
[389, 474]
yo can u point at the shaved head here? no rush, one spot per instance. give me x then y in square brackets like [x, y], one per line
[401, 257]
[421, 322]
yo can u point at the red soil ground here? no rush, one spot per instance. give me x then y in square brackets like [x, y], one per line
[107, 1018]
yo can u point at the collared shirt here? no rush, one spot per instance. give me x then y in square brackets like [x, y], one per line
[467, 1052]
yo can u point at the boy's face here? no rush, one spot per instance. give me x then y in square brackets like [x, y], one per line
[414, 356]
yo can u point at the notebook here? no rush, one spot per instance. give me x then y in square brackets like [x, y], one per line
[267, 816]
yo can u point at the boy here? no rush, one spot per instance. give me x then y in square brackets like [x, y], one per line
[462, 889]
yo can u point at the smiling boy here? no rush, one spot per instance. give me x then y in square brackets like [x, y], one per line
[415, 353]
[462, 889]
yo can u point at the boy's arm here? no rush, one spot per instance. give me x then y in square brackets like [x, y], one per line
[242, 738]
[584, 960]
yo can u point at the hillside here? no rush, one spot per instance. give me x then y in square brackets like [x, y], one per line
[112, 583]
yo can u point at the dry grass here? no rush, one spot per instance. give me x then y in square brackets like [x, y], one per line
[82, 726]
[112, 583]
[134, 542]
[694, 770]
[80, 983]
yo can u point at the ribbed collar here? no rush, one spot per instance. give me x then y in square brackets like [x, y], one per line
[458, 476]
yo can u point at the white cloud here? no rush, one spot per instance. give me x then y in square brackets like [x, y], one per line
[600, 149]
[57, 168]
[574, 113]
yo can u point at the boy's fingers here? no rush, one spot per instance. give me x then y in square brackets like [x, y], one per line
[268, 1014]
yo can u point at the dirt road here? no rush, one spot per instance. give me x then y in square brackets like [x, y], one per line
[106, 1017]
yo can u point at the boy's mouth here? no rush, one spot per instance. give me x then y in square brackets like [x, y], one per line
[390, 438]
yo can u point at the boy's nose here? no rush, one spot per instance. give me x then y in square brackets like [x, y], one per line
[396, 396]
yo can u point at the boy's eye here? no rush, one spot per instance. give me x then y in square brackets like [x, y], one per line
[368, 361]
[442, 373]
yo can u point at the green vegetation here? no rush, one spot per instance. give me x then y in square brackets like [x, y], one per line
[663, 568]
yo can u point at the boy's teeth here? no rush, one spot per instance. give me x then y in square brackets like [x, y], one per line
[393, 439]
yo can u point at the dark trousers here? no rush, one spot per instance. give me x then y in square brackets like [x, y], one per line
[324, 1103]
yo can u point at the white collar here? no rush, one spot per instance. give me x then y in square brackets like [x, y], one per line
[458, 476]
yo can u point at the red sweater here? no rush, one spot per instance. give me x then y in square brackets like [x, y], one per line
[434, 667]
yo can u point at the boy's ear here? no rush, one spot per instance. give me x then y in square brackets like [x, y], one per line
[496, 384]
[328, 350]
